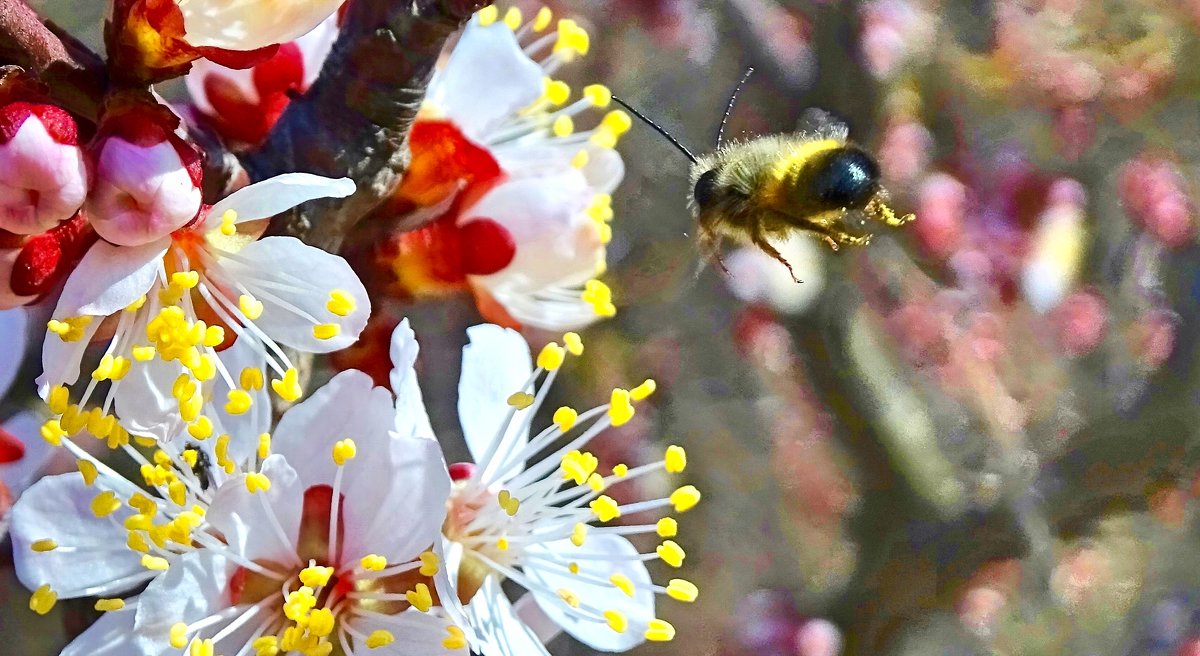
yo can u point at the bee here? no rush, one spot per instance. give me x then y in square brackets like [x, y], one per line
[815, 181]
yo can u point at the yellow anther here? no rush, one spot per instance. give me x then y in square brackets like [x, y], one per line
[340, 303]
[644, 390]
[568, 596]
[250, 306]
[565, 418]
[202, 648]
[326, 330]
[57, 327]
[605, 233]
[373, 562]
[185, 279]
[138, 522]
[621, 470]
[105, 504]
[44, 545]
[520, 400]
[580, 159]
[579, 534]
[108, 605]
[572, 40]
[161, 458]
[203, 367]
[228, 223]
[598, 94]
[70, 329]
[213, 336]
[53, 432]
[257, 482]
[155, 563]
[512, 18]
[136, 305]
[137, 542]
[58, 399]
[143, 504]
[508, 502]
[502, 544]
[578, 466]
[487, 15]
[556, 92]
[251, 379]
[616, 621]
[190, 457]
[321, 622]
[380, 638]
[315, 576]
[659, 631]
[596, 482]
[177, 491]
[599, 296]
[222, 452]
[88, 470]
[682, 590]
[623, 583]
[344, 450]
[429, 563]
[563, 126]
[170, 295]
[73, 420]
[573, 343]
[288, 387]
[675, 459]
[617, 121]
[264, 446]
[620, 409]
[189, 410]
[551, 356]
[178, 635]
[605, 508]
[239, 401]
[420, 598]
[604, 138]
[100, 424]
[42, 600]
[685, 498]
[667, 527]
[671, 553]
[455, 638]
[143, 353]
[573, 568]
[120, 368]
[201, 429]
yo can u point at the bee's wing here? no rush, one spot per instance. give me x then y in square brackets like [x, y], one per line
[822, 125]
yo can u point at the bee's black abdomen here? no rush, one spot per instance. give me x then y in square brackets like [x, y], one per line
[705, 193]
[845, 177]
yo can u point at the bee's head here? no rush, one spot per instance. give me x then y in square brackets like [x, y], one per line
[705, 192]
[846, 177]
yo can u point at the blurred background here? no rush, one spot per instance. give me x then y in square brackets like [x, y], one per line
[979, 435]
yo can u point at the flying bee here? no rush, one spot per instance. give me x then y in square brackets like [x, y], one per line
[815, 181]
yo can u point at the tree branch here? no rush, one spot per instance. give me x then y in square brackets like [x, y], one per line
[354, 123]
[75, 75]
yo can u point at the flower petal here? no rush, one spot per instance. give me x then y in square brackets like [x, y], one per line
[411, 418]
[196, 586]
[638, 610]
[294, 282]
[143, 399]
[14, 327]
[248, 528]
[486, 63]
[501, 632]
[417, 634]
[110, 635]
[242, 25]
[495, 364]
[108, 278]
[25, 426]
[60, 360]
[91, 551]
[263, 200]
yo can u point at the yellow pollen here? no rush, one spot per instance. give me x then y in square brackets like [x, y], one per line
[380, 638]
[508, 502]
[620, 409]
[185, 279]
[44, 545]
[264, 446]
[617, 121]
[137, 542]
[70, 329]
[213, 336]
[557, 92]
[660, 631]
[107, 605]
[143, 353]
[250, 306]
[228, 223]
[178, 635]
[73, 420]
[598, 94]
[373, 562]
[565, 418]
[579, 534]
[644, 390]
[321, 622]
[604, 138]
[104, 369]
[671, 553]
[580, 159]
[577, 466]
[685, 498]
[155, 563]
[621, 470]
[202, 648]
[42, 600]
[551, 356]
[512, 18]
[623, 583]
[344, 450]
[257, 482]
[572, 40]
[340, 303]
[161, 458]
[136, 305]
[616, 621]
[605, 508]
[675, 459]
[487, 15]
[571, 598]
[574, 343]
[222, 453]
[178, 492]
[573, 568]
[599, 296]
[520, 400]
[190, 456]
[542, 20]
[53, 432]
[502, 544]
[455, 638]
[315, 576]
[596, 482]
[201, 429]
[682, 590]
[429, 563]
[251, 378]
[288, 387]
[563, 126]
[667, 527]
[420, 598]
[326, 330]
[105, 504]
[239, 401]
[58, 399]
[88, 470]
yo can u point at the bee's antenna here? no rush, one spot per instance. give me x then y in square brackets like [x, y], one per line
[658, 128]
[732, 101]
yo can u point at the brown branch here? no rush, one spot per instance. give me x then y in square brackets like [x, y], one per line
[75, 74]
[353, 122]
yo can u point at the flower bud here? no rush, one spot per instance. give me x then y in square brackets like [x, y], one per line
[43, 178]
[30, 266]
[147, 178]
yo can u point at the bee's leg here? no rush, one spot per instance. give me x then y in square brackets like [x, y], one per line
[878, 209]
[710, 247]
[757, 238]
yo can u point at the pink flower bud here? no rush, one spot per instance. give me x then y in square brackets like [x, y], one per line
[147, 179]
[43, 177]
[942, 206]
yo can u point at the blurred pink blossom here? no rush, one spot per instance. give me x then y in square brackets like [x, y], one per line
[1082, 321]
[941, 206]
[1154, 195]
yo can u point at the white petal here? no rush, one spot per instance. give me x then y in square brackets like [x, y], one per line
[247, 526]
[196, 586]
[251, 24]
[417, 634]
[111, 635]
[14, 339]
[287, 272]
[26, 426]
[315, 47]
[404, 476]
[246, 427]
[108, 278]
[411, 418]
[486, 63]
[501, 631]
[638, 610]
[242, 80]
[143, 399]
[495, 364]
[547, 309]
[92, 549]
[265, 199]
[604, 169]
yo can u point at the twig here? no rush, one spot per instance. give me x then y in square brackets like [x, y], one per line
[75, 74]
